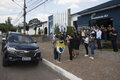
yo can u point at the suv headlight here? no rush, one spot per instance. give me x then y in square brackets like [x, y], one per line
[37, 50]
[11, 49]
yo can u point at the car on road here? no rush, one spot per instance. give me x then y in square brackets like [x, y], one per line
[20, 47]
[3, 39]
[4, 36]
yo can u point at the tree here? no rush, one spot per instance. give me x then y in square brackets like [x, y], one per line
[57, 30]
[7, 26]
[69, 30]
[8, 23]
[34, 21]
[3, 27]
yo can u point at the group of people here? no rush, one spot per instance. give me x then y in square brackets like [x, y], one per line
[87, 37]
[76, 38]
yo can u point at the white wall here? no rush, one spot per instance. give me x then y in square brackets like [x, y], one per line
[32, 31]
[60, 19]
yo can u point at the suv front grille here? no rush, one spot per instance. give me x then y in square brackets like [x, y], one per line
[23, 54]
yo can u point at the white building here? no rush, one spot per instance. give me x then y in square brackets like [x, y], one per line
[42, 26]
[61, 19]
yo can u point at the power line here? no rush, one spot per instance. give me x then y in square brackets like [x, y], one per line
[34, 3]
[18, 18]
[37, 6]
[17, 4]
[29, 1]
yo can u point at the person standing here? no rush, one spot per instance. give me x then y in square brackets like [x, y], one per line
[54, 36]
[92, 45]
[105, 34]
[83, 34]
[98, 37]
[55, 50]
[77, 44]
[113, 38]
[86, 43]
[70, 46]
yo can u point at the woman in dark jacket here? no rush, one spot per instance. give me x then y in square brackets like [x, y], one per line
[76, 44]
[70, 45]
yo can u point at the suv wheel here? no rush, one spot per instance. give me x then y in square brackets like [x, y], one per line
[36, 62]
[5, 61]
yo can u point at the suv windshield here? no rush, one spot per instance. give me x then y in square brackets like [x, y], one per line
[20, 38]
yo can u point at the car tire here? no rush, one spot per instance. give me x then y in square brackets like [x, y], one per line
[5, 61]
[36, 62]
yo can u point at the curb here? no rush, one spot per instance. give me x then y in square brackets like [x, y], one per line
[60, 70]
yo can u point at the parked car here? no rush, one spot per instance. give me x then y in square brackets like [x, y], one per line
[3, 39]
[20, 47]
[4, 36]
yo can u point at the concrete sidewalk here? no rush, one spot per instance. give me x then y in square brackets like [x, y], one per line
[105, 66]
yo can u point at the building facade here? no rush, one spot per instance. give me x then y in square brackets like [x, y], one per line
[43, 26]
[61, 19]
[104, 14]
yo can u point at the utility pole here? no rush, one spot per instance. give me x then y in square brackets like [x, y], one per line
[24, 16]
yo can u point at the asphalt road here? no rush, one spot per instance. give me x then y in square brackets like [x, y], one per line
[28, 71]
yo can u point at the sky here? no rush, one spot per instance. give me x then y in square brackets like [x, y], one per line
[14, 8]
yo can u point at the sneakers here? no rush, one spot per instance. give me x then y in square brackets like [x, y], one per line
[86, 55]
[58, 61]
[91, 57]
[69, 60]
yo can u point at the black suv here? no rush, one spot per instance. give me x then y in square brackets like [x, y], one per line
[20, 47]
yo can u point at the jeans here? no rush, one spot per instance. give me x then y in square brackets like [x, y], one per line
[99, 43]
[55, 54]
[86, 47]
[70, 52]
[114, 45]
[92, 49]
[105, 37]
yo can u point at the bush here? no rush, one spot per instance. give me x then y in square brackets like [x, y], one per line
[108, 45]
[69, 30]
[37, 35]
[57, 30]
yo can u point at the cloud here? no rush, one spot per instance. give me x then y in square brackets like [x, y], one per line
[3, 9]
[10, 6]
[74, 6]
[9, 9]
[4, 18]
[72, 1]
[42, 17]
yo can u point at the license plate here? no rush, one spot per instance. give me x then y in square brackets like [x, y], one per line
[26, 58]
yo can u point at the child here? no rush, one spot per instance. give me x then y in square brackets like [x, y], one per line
[86, 43]
[92, 45]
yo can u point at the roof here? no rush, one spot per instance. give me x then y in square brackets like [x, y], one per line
[38, 24]
[14, 33]
[101, 6]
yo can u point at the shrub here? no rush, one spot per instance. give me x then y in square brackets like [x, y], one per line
[108, 45]
[57, 30]
[37, 35]
[69, 30]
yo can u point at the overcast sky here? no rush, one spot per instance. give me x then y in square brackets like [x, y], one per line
[8, 8]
